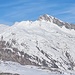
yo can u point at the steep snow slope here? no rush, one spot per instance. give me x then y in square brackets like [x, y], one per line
[40, 43]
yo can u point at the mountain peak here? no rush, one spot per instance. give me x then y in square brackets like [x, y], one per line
[57, 21]
[46, 17]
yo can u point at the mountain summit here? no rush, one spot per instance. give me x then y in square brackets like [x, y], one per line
[57, 21]
[46, 18]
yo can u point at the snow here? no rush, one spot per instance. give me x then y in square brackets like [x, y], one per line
[69, 31]
[15, 68]
[10, 67]
[3, 28]
[52, 39]
[25, 31]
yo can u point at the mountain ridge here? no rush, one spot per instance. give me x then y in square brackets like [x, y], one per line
[48, 18]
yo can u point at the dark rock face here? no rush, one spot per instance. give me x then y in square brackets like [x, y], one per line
[57, 21]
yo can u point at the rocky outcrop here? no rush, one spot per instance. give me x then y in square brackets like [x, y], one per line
[9, 53]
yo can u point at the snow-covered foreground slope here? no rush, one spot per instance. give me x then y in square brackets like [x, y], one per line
[15, 68]
[39, 43]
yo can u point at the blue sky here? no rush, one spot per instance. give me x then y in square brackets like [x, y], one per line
[18, 10]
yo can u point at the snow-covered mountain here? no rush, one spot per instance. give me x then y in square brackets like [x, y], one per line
[47, 42]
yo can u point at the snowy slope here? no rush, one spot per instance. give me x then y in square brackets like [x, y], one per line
[15, 68]
[40, 43]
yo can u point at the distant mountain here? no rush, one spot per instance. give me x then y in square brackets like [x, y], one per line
[47, 42]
